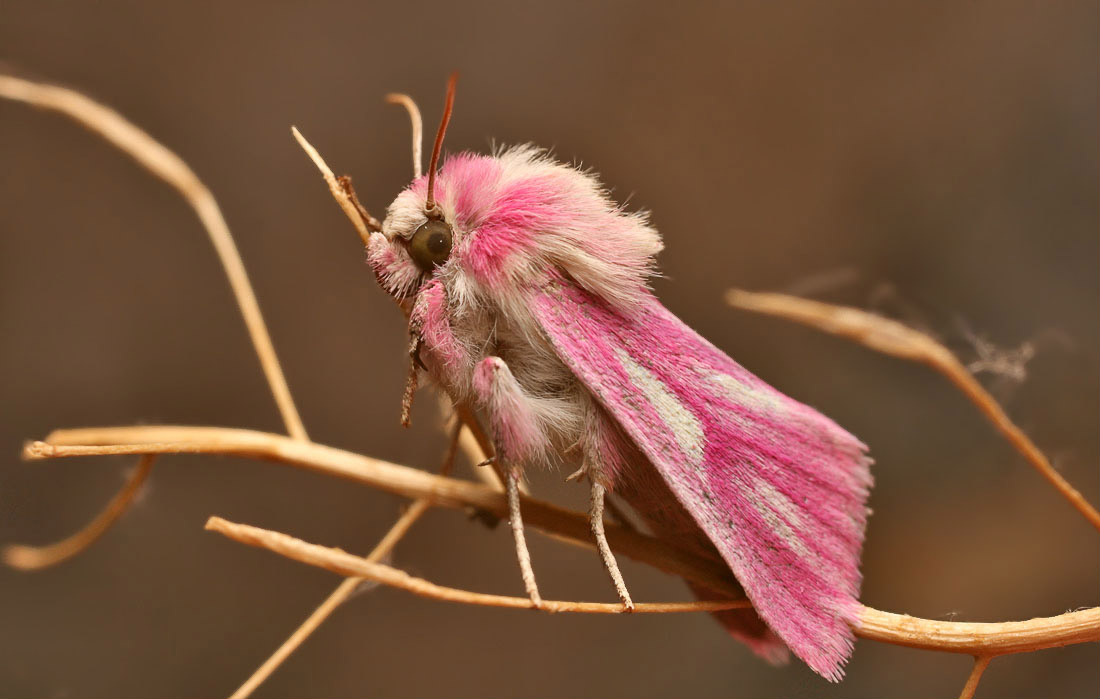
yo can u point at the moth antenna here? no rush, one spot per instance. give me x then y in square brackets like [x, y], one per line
[417, 129]
[429, 204]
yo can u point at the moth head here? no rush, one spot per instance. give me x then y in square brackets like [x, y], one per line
[417, 237]
[490, 225]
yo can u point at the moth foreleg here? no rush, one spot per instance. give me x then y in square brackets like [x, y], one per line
[430, 320]
[595, 520]
[513, 423]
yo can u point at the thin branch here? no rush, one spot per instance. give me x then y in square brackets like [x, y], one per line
[893, 338]
[336, 598]
[37, 557]
[955, 637]
[981, 662]
[169, 167]
[981, 638]
[362, 221]
[339, 192]
[400, 480]
[344, 563]
[348, 587]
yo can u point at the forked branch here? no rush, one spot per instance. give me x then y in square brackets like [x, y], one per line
[169, 167]
[984, 641]
[955, 637]
[893, 338]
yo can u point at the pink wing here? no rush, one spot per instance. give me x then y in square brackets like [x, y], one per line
[778, 488]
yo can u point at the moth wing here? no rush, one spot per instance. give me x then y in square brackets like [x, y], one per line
[778, 488]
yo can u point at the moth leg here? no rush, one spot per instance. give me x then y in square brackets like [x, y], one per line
[524, 556]
[595, 520]
[411, 380]
[517, 436]
[430, 321]
[517, 433]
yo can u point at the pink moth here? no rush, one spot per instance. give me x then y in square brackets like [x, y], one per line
[526, 288]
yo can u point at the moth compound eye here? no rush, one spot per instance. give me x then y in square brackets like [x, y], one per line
[430, 244]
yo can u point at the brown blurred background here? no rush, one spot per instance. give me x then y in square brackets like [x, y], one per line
[934, 161]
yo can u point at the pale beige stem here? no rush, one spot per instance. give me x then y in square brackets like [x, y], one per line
[893, 338]
[981, 662]
[344, 563]
[346, 588]
[169, 167]
[338, 596]
[1080, 626]
[981, 638]
[38, 557]
[338, 192]
[401, 480]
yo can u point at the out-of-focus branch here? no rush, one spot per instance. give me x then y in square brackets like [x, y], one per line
[168, 166]
[24, 557]
[956, 637]
[984, 641]
[893, 338]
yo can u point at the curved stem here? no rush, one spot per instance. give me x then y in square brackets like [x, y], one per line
[163, 163]
[29, 558]
[893, 338]
[955, 637]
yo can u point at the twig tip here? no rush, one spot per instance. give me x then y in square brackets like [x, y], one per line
[19, 557]
[37, 450]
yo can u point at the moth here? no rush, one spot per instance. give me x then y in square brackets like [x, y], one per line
[527, 293]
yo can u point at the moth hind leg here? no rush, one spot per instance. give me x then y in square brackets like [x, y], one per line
[527, 573]
[595, 520]
[606, 450]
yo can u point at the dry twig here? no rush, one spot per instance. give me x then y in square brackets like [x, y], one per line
[983, 640]
[893, 338]
[169, 167]
[348, 587]
[24, 557]
[954, 637]
[376, 473]
[981, 662]
[344, 563]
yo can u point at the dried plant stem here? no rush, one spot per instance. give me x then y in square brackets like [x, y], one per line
[37, 557]
[348, 587]
[981, 662]
[984, 641]
[169, 167]
[344, 197]
[981, 638]
[893, 338]
[400, 480]
[344, 563]
[339, 192]
[338, 596]
[955, 637]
